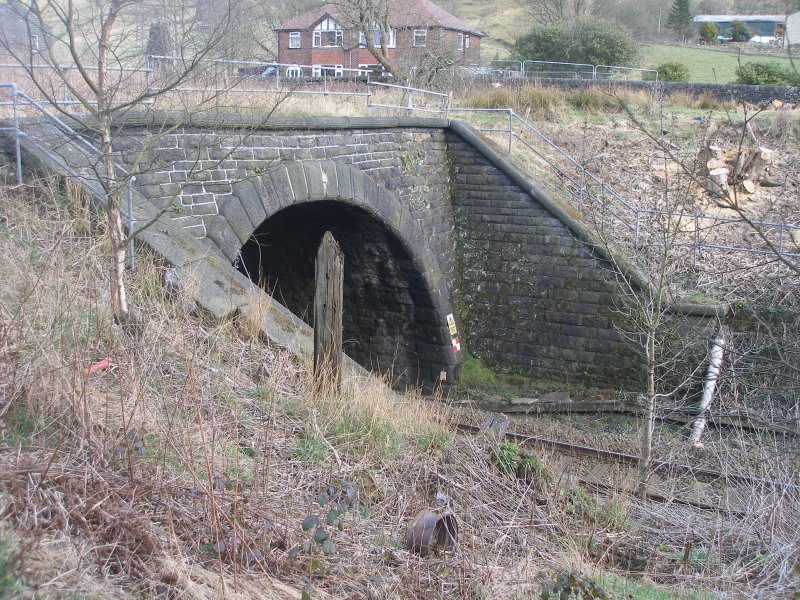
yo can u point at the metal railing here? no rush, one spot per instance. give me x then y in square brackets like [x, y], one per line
[586, 190]
[434, 102]
[542, 69]
[18, 98]
[223, 75]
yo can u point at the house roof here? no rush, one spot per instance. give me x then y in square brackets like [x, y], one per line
[403, 13]
[742, 18]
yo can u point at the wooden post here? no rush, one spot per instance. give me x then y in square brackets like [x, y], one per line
[328, 314]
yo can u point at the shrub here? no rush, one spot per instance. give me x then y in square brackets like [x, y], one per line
[709, 32]
[670, 71]
[762, 73]
[589, 41]
[739, 32]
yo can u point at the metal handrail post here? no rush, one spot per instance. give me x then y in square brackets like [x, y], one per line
[582, 190]
[638, 228]
[131, 224]
[696, 249]
[510, 128]
[780, 241]
[17, 132]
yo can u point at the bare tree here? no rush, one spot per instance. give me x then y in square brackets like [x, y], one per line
[551, 12]
[371, 20]
[102, 45]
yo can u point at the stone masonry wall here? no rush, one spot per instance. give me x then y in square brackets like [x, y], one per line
[195, 169]
[529, 294]
[754, 94]
[532, 296]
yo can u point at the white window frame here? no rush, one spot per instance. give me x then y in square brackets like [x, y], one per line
[369, 68]
[334, 70]
[391, 38]
[417, 35]
[294, 71]
[326, 31]
[295, 40]
[463, 41]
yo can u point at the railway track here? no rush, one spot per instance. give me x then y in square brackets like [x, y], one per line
[610, 471]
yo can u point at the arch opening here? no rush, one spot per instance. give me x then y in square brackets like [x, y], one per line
[390, 322]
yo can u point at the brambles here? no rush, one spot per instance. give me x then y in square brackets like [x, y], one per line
[591, 41]
[753, 73]
[573, 585]
[671, 71]
[515, 461]
[325, 521]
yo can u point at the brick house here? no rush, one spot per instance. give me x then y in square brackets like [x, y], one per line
[22, 34]
[422, 34]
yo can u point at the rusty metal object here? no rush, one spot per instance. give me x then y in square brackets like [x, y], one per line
[430, 532]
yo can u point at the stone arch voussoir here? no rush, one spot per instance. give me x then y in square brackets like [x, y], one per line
[256, 199]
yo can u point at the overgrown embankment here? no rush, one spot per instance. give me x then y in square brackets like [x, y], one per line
[185, 458]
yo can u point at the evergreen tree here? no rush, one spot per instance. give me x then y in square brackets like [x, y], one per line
[680, 18]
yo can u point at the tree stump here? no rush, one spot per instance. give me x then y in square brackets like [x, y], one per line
[328, 315]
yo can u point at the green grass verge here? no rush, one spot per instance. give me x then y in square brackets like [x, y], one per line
[705, 65]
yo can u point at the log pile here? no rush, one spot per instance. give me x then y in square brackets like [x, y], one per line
[727, 173]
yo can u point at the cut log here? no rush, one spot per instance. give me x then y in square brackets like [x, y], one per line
[715, 163]
[772, 182]
[707, 155]
[715, 357]
[718, 181]
[742, 158]
[756, 166]
[747, 186]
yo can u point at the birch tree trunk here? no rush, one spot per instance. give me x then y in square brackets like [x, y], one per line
[116, 234]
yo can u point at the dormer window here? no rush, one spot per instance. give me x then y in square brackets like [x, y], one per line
[376, 38]
[327, 34]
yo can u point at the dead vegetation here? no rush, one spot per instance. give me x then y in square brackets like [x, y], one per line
[184, 460]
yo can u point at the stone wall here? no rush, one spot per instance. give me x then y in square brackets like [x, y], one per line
[195, 168]
[754, 94]
[533, 296]
[529, 290]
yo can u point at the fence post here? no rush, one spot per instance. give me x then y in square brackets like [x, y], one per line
[780, 241]
[328, 315]
[148, 72]
[510, 128]
[696, 245]
[131, 224]
[638, 227]
[17, 132]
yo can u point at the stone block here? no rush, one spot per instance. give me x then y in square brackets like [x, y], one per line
[224, 237]
[297, 181]
[233, 209]
[344, 179]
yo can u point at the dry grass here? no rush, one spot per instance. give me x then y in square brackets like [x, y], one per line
[187, 466]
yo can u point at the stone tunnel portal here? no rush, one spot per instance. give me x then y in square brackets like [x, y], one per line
[390, 322]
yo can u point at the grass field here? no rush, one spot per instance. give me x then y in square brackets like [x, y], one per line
[706, 65]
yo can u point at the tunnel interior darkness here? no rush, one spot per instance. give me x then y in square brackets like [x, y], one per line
[390, 324]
